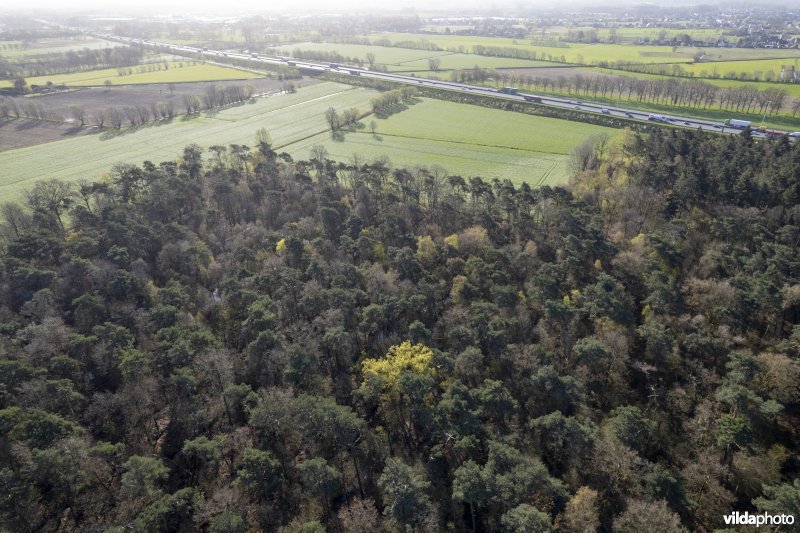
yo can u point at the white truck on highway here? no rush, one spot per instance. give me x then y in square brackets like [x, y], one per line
[741, 124]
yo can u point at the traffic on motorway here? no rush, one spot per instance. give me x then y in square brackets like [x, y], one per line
[510, 93]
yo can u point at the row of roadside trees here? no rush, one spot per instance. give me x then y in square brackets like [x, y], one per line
[664, 91]
[137, 114]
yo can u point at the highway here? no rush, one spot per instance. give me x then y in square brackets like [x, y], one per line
[576, 104]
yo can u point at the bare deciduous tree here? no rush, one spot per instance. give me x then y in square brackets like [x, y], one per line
[332, 117]
[99, 117]
[78, 112]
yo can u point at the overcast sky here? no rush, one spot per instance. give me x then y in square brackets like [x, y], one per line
[238, 7]
[315, 6]
[197, 6]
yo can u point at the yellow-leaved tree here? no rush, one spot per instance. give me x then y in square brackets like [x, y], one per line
[402, 383]
[415, 358]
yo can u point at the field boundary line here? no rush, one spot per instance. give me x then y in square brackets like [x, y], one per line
[467, 143]
[399, 63]
[302, 138]
[270, 111]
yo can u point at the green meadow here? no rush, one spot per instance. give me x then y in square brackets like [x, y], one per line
[288, 117]
[588, 54]
[411, 60]
[49, 46]
[464, 139]
[176, 73]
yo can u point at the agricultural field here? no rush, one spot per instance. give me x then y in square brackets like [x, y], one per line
[288, 117]
[792, 89]
[18, 133]
[588, 54]
[16, 49]
[21, 132]
[441, 28]
[466, 140]
[637, 34]
[463, 139]
[178, 72]
[409, 60]
[221, 37]
[383, 54]
[464, 61]
[722, 69]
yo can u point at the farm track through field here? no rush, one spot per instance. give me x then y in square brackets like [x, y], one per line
[736, 60]
[399, 63]
[272, 111]
[546, 175]
[470, 143]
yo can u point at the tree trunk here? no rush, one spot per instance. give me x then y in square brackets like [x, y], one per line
[472, 512]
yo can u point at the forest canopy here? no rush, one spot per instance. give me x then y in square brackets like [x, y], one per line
[236, 341]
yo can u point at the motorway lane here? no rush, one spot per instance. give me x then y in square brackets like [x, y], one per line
[677, 121]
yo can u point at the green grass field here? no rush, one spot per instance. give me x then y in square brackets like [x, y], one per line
[466, 140]
[175, 74]
[383, 54]
[631, 34]
[623, 34]
[465, 61]
[47, 46]
[288, 117]
[409, 60]
[181, 42]
[441, 28]
[723, 68]
[593, 53]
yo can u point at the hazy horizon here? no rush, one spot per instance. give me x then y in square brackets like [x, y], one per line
[238, 7]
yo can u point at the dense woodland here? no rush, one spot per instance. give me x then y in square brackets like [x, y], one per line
[236, 341]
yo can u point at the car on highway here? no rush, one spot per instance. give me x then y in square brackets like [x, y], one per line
[686, 123]
[718, 126]
[605, 111]
[629, 114]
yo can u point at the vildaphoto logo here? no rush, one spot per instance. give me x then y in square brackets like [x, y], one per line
[764, 519]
